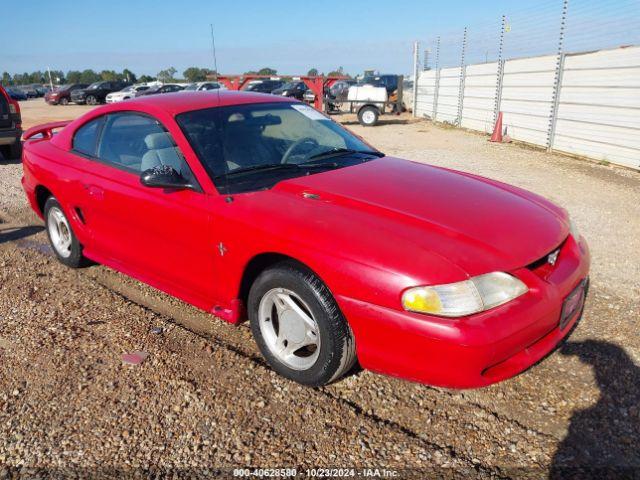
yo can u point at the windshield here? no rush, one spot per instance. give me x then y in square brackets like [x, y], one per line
[95, 85]
[252, 147]
[191, 86]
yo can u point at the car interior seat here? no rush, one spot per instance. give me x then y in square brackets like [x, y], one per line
[161, 152]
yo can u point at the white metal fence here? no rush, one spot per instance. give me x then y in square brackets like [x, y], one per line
[585, 103]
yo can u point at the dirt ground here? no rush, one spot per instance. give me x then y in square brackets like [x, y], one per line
[204, 402]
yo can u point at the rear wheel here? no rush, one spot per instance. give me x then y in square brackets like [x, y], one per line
[63, 241]
[298, 326]
[64, 101]
[368, 116]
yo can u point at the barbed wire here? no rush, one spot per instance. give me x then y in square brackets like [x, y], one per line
[535, 30]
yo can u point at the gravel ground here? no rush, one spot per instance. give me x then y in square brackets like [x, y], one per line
[204, 399]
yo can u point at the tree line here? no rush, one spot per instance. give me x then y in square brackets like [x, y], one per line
[191, 74]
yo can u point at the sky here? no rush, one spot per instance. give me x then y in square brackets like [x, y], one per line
[292, 37]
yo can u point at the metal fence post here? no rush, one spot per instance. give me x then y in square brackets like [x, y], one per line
[500, 73]
[437, 82]
[416, 53]
[463, 73]
[499, 85]
[557, 81]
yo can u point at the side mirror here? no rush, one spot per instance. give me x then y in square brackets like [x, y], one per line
[164, 176]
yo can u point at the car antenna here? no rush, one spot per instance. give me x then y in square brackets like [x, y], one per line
[215, 59]
[215, 76]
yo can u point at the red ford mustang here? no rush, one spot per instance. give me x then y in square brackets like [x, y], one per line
[253, 205]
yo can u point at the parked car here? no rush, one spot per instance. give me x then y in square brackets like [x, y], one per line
[10, 126]
[200, 86]
[96, 92]
[390, 82]
[294, 89]
[309, 96]
[166, 88]
[264, 86]
[41, 90]
[242, 202]
[126, 93]
[16, 93]
[62, 94]
[29, 91]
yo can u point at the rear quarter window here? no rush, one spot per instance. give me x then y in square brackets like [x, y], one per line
[85, 139]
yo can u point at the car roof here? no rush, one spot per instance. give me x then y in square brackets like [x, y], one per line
[187, 101]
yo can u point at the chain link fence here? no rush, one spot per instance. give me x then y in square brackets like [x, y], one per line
[564, 73]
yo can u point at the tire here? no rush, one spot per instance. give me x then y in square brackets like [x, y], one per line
[91, 100]
[315, 364]
[15, 150]
[71, 253]
[64, 101]
[368, 116]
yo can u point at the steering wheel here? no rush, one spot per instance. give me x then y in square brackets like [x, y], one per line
[296, 145]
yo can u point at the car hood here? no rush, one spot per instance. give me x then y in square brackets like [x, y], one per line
[420, 216]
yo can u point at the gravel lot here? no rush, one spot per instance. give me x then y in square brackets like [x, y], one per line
[204, 400]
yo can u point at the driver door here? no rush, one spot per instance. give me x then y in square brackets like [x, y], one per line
[158, 235]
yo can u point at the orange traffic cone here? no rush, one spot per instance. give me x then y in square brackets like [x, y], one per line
[497, 130]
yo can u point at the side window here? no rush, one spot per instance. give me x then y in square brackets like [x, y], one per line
[137, 143]
[86, 137]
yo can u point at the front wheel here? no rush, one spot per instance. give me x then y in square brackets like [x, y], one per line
[64, 101]
[91, 100]
[61, 236]
[298, 326]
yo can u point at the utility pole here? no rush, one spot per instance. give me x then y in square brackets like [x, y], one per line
[50, 81]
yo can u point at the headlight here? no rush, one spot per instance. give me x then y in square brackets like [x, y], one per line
[573, 230]
[464, 298]
[284, 93]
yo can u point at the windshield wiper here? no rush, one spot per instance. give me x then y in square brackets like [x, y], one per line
[258, 168]
[275, 166]
[334, 152]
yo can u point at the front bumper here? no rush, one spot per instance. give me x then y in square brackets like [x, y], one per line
[474, 351]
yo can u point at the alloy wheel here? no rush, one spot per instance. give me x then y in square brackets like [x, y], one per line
[59, 232]
[289, 329]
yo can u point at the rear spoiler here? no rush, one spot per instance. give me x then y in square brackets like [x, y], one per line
[46, 129]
